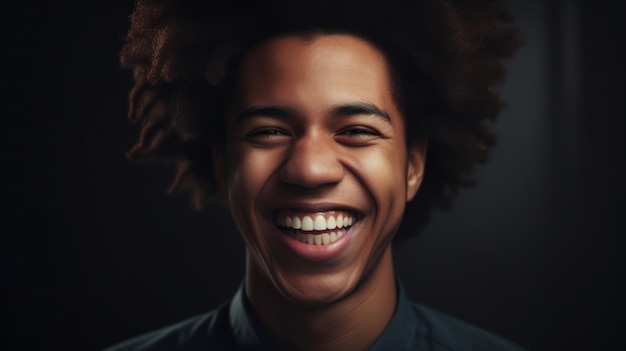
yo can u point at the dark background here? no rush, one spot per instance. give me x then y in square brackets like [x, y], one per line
[98, 252]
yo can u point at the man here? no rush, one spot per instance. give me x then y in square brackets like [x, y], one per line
[316, 124]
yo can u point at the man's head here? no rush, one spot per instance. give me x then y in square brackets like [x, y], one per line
[442, 59]
[316, 169]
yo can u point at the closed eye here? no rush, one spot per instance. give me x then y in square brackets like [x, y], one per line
[360, 132]
[358, 136]
[267, 132]
[268, 136]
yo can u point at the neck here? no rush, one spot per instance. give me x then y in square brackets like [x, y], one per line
[353, 323]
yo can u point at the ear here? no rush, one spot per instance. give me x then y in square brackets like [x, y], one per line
[220, 174]
[415, 167]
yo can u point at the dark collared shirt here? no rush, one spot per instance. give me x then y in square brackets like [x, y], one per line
[234, 326]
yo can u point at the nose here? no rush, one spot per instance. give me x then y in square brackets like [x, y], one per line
[312, 162]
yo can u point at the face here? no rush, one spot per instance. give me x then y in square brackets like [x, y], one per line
[316, 171]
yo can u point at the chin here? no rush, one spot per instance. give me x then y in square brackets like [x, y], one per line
[316, 289]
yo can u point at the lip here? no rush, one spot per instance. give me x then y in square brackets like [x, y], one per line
[316, 253]
[316, 207]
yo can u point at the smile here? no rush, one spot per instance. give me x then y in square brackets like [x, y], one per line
[321, 228]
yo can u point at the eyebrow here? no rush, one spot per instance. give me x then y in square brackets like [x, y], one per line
[344, 110]
[268, 111]
[360, 108]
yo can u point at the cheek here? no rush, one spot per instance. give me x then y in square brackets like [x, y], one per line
[385, 173]
[247, 174]
[249, 171]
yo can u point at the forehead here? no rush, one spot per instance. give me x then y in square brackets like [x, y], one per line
[313, 48]
[327, 66]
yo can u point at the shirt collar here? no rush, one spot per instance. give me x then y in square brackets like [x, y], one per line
[250, 334]
[248, 331]
[400, 333]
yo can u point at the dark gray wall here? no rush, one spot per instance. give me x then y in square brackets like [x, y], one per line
[535, 251]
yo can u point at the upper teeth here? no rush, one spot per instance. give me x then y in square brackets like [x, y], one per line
[315, 222]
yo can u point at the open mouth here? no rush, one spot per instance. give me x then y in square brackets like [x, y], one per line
[320, 228]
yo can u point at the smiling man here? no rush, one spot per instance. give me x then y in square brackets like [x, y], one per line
[317, 178]
[316, 127]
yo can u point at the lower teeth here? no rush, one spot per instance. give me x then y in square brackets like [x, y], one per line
[317, 239]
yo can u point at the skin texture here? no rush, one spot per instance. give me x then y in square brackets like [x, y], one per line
[300, 139]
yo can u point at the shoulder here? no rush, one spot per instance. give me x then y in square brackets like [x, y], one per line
[207, 331]
[444, 332]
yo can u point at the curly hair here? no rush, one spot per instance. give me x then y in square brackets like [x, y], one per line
[445, 57]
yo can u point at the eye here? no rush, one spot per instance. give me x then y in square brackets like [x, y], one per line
[357, 136]
[268, 136]
[266, 132]
[360, 132]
